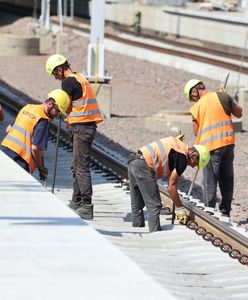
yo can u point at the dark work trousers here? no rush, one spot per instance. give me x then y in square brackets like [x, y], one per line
[83, 136]
[219, 170]
[18, 159]
[144, 192]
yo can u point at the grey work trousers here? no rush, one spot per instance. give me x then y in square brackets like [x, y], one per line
[83, 136]
[144, 191]
[219, 170]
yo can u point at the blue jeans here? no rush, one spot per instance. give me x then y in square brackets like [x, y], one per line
[219, 170]
[144, 191]
[83, 136]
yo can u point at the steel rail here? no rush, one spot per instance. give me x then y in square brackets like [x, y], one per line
[75, 24]
[211, 229]
[179, 53]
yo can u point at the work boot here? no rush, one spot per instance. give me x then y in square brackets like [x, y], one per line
[86, 211]
[74, 205]
[225, 212]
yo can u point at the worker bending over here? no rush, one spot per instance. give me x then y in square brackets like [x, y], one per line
[165, 157]
[83, 120]
[213, 127]
[27, 137]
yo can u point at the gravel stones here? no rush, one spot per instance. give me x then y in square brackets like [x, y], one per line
[140, 89]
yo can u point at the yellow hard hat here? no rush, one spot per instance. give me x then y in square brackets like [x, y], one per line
[189, 86]
[204, 155]
[61, 98]
[54, 61]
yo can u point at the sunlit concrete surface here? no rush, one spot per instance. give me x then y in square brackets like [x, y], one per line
[48, 252]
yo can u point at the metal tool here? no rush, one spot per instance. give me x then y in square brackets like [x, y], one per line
[44, 181]
[56, 155]
[192, 183]
[226, 80]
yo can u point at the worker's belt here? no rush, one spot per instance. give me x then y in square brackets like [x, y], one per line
[137, 155]
[140, 155]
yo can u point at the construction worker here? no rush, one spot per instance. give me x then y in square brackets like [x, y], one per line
[83, 120]
[213, 127]
[165, 157]
[27, 137]
[1, 113]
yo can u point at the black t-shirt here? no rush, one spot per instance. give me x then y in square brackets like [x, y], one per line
[226, 102]
[177, 161]
[72, 87]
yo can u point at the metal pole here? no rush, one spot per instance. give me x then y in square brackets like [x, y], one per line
[192, 183]
[42, 15]
[227, 77]
[44, 181]
[47, 16]
[96, 39]
[65, 8]
[56, 155]
[60, 13]
[35, 10]
[72, 9]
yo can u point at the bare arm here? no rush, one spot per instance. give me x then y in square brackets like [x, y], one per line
[8, 128]
[37, 154]
[1, 113]
[237, 110]
[195, 127]
[172, 188]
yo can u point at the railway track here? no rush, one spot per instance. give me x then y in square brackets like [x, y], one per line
[204, 222]
[182, 259]
[188, 50]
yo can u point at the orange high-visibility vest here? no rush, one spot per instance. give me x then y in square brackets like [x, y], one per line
[19, 137]
[86, 108]
[156, 154]
[215, 126]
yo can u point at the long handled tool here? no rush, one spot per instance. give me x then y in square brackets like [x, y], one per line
[191, 186]
[44, 181]
[226, 80]
[56, 155]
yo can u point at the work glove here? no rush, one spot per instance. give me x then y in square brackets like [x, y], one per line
[43, 173]
[182, 216]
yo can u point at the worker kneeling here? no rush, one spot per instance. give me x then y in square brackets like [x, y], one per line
[168, 156]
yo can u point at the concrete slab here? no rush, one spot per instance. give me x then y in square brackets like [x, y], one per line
[48, 252]
[178, 121]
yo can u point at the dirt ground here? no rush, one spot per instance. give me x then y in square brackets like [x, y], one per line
[140, 89]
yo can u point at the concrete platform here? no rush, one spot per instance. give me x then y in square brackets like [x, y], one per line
[176, 121]
[48, 252]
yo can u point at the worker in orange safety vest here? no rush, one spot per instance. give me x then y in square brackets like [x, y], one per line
[27, 137]
[213, 127]
[165, 157]
[83, 119]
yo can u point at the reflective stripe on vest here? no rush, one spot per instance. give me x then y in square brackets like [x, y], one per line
[156, 154]
[217, 136]
[215, 126]
[18, 142]
[86, 108]
[19, 136]
[155, 157]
